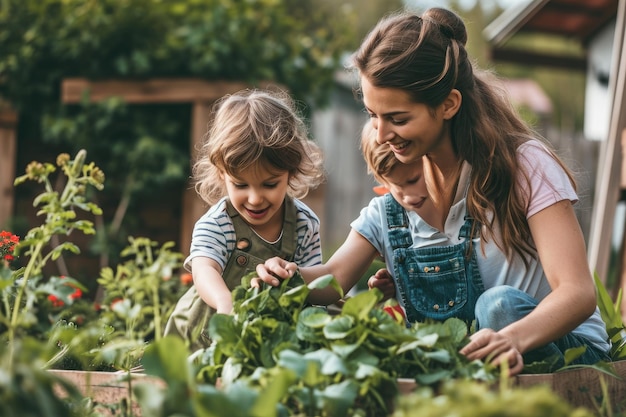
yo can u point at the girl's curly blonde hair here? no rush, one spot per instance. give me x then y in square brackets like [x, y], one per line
[257, 127]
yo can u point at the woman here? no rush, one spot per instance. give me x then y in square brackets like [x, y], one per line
[526, 279]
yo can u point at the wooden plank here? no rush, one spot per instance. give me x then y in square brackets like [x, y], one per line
[193, 206]
[160, 90]
[608, 177]
[582, 387]
[8, 149]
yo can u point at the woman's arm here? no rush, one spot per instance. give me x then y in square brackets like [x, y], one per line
[561, 249]
[562, 252]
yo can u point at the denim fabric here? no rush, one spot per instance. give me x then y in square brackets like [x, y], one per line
[500, 306]
[434, 282]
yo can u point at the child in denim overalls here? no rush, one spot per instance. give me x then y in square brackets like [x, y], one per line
[427, 101]
[254, 165]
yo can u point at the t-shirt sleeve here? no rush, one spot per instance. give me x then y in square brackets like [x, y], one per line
[213, 237]
[548, 181]
[309, 246]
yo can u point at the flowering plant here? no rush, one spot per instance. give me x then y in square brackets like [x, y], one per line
[23, 287]
[8, 241]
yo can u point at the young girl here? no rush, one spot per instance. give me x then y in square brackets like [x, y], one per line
[528, 281]
[255, 164]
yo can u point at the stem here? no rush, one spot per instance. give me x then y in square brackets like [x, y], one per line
[157, 313]
[18, 299]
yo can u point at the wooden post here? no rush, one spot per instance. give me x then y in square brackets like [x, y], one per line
[8, 126]
[200, 120]
[608, 178]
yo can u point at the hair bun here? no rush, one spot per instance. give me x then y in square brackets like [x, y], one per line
[450, 24]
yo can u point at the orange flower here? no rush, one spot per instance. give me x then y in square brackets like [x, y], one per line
[380, 189]
[186, 278]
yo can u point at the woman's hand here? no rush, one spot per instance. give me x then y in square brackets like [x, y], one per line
[273, 269]
[494, 348]
[383, 281]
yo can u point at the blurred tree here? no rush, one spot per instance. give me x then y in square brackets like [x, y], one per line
[144, 150]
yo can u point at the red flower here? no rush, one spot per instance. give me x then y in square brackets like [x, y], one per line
[115, 301]
[395, 310]
[8, 241]
[56, 302]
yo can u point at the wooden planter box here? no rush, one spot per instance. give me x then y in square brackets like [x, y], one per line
[579, 387]
[106, 388]
[583, 387]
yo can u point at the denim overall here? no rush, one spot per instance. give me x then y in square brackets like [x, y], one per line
[191, 312]
[434, 282]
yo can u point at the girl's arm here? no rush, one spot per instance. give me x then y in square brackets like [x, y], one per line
[347, 265]
[207, 278]
[561, 249]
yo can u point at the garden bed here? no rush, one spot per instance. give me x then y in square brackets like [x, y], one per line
[583, 387]
[108, 389]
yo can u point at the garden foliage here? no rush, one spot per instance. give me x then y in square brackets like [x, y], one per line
[275, 356]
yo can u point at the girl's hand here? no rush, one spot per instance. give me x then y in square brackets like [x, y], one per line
[383, 281]
[494, 348]
[273, 269]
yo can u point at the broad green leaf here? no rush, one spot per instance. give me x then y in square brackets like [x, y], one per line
[339, 328]
[344, 350]
[361, 304]
[231, 371]
[339, 398]
[323, 282]
[333, 365]
[223, 329]
[456, 328]
[574, 353]
[294, 361]
[433, 377]
[440, 355]
[270, 396]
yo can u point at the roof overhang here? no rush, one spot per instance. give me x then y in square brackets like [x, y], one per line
[577, 20]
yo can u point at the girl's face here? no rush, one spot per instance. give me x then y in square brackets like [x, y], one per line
[407, 185]
[410, 129]
[258, 195]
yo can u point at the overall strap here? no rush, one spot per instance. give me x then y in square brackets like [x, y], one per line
[398, 224]
[286, 248]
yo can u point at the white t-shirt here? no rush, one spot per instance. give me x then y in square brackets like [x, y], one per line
[549, 184]
[214, 236]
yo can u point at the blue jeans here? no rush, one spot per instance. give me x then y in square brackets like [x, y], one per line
[500, 306]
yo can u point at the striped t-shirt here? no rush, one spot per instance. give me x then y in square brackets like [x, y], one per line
[214, 236]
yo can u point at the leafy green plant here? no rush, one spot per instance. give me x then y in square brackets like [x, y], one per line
[181, 394]
[30, 342]
[348, 362]
[140, 294]
[22, 287]
[612, 317]
[462, 398]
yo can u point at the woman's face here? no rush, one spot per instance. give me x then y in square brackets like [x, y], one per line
[410, 129]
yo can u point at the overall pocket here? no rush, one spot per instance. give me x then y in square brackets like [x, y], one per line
[434, 281]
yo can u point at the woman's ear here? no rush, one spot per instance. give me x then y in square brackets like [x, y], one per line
[451, 104]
